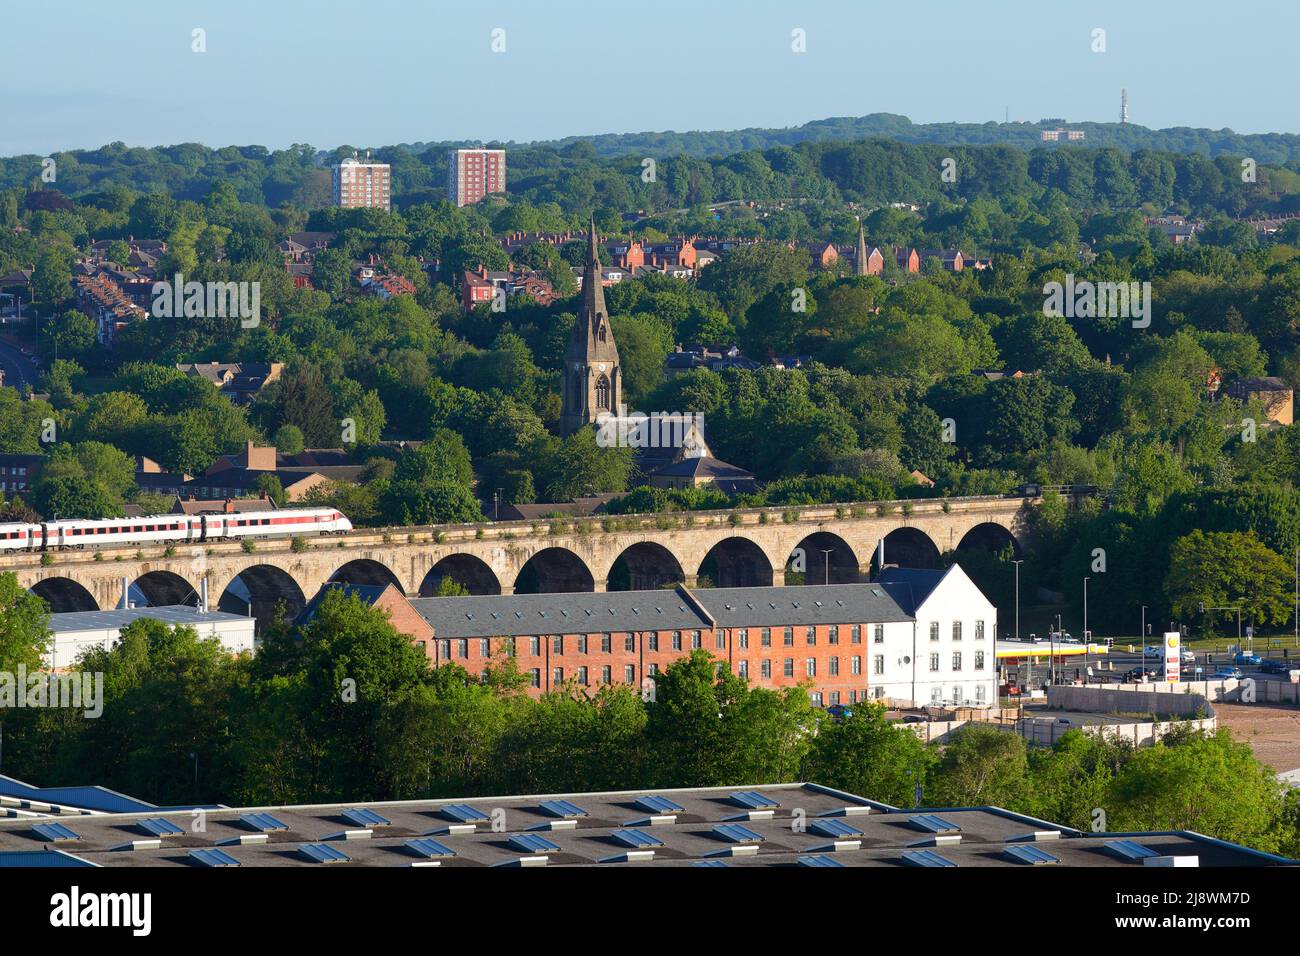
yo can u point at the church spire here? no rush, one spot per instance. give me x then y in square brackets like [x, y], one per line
[860, 265]
[592, 381]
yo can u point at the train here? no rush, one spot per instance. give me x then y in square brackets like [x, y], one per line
[106, 532]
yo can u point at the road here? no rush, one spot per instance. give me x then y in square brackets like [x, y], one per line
[18, 368]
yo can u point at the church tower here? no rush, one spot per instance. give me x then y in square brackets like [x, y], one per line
[592, 379]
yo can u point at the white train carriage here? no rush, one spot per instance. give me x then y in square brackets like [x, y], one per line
[105, 532]
[270, 524]
[109, 532]
[16, 536]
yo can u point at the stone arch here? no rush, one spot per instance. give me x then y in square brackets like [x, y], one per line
[735, 563]
[840, 566]
[162, 589]
[366, 571]
[644, 566]
[553, 570]
[470, 572]
[907, 547]
[258, 591]
[64, 594]
[991, 537]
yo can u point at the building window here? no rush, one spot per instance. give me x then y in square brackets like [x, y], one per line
[979, 693]
[606, 674]
[629, 642]
[557, 677]
[878, 664]
[879, 634]
[816, 698]
[720, 639]
[810, 667]
[979, 660]
[936, 695]
[855, 665]
[606, 644]
[958, 693]
[653, 669]
[462, 648]
[536, 675]
[582, 676]
[834, 664]
[766, 639]
[855, 635]
[654, 642]
[878, 692]
[602, 383]
[582, 643]
[696, 641]
[979, 630]
[934, 662]
[934, 630]
[833, 634]
[811, 636]
[789, 637]
[629, 674]
[557, 645]
[956, 630]
[835, 697]
[534, 646]
[765, 669]
[677, 640]
[444, 650]
[788, 667]
[744, 668]
[485, 647]
[956, 660]
[744, 639]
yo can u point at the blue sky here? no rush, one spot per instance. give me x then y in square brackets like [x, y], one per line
[277, 72]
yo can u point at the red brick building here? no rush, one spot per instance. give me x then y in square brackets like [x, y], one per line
[363, 185]
[828, 637]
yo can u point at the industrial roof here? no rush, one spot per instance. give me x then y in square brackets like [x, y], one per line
[684, 838]
[121, 617]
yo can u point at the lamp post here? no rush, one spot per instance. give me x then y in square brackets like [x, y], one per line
[1142, 637]
[1085, 629]
[1018, 562]
[827, 553]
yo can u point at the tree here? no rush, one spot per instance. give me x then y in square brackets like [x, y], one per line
[870, 756]
[24, 626]
[1228, 569]
[982, 765]
[288, 440]
[1208, 783]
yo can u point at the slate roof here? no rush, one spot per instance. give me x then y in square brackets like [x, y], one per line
[910, 586]
[575, 613]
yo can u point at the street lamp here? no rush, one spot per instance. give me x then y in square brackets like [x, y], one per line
[1142, 637]
[827, 553]
[1018, 562]
[1085, 629]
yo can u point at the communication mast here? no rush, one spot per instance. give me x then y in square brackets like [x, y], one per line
[1123, 106]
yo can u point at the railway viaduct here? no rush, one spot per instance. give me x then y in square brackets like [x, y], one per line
[758, 546]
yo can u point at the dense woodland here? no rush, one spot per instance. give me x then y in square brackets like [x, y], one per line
[888, 358]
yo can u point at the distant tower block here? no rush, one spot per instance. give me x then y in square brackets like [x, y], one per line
[1123, 106]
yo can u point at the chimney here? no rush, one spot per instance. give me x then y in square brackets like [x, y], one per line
[126, 592]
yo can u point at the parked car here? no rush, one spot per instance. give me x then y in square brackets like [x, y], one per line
[1137, 673]
[1189, 657]
[1245, 657]
[1276, 666]
[1223, 673]
[839, 711]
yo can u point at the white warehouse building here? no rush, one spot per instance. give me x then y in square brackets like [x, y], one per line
[74, 632]
[946, 654]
